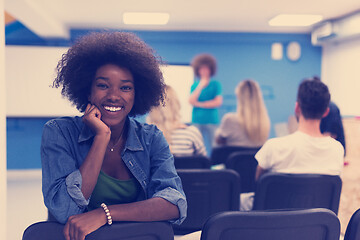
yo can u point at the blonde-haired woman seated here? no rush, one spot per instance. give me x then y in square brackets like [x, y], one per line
[249, 126]
[183, 140]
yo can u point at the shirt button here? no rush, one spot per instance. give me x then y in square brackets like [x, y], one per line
[131, 164]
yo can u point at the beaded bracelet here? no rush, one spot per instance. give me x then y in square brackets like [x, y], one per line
[107, 213]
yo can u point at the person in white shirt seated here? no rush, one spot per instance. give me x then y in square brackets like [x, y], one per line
[184, 140]
[307, 150]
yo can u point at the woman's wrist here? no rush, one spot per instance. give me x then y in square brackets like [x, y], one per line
[101, 215]
[107, 213]
[199, 104]
[103, 137]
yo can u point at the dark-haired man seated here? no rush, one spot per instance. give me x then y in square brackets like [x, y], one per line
[307, 150]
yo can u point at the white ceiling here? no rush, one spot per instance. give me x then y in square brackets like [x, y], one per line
[55, 17]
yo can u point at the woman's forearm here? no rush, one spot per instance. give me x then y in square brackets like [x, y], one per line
[153, 209]
[91, 166]
[194, 97]
[214, 103]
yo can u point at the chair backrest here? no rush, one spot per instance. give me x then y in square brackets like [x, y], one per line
[353, 228]
[309, 224]
[207, 192]
[245, 164]
[286, 191]
[192, 162]
[220, 154]
[117, 231]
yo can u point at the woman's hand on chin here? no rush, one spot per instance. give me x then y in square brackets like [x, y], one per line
[78, 226]
[92, 118]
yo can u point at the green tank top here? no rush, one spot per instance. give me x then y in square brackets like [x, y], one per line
[112, 191]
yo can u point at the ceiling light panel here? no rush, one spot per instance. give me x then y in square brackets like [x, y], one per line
[295, 20]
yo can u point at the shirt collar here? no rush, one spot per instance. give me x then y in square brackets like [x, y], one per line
[85, 133]
[132, 143]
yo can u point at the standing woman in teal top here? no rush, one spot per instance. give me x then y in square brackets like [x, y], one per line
[205, 97]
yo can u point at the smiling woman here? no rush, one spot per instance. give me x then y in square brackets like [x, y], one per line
[105, 166]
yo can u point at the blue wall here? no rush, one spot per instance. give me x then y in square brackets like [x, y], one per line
[245, 55]
[23, 142]
[239, 55]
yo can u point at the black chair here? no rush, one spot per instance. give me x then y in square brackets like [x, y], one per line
[288, 191]
[207, 192]
[192, 162]
[309, 224]
[245, 164]
[118, 231]
[353, 228]
[220, 154]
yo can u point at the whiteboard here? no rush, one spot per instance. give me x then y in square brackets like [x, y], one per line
[180, 78]
[31, 70]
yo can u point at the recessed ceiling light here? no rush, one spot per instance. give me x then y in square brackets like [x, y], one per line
[295, 20]
[146, 18]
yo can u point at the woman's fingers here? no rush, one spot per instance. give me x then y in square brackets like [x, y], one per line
[72, 231]
[76, 230]
[80, 234]
[66, 231]
[93, 110]
[97, 113]
[87, 108]
[92, 118]
[78, 226]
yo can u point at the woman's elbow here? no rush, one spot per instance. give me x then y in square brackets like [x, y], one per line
[220, 140]
[60, 217]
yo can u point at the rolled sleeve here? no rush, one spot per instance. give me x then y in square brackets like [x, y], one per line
[175, 197]
[73, 185]
[164, 180]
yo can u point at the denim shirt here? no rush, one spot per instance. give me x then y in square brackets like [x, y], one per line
[64, 146]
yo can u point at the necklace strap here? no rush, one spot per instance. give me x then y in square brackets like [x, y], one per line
[117, 141]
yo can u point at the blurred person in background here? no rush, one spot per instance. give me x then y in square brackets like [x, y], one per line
[183, 140]
[205, 98]
[332, 126]
[306, 151]
[249, 126]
